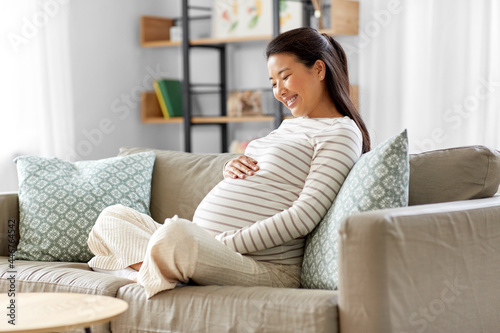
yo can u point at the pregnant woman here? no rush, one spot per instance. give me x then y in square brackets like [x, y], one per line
[250, 229]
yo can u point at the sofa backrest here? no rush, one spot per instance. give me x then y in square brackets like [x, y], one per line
[454, 174]
[181, 180]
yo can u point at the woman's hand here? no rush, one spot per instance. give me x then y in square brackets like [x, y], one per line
[240, 166]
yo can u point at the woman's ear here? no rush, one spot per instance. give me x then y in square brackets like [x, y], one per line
[320, 69]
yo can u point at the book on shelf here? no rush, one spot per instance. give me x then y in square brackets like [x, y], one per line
[161, 101]
[169, 93]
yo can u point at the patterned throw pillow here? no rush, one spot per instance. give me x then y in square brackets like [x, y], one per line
[378, 180]
[60, 201]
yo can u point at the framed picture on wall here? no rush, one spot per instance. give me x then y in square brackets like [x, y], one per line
[291, 15]
[241, 18]
[225, 18]
[256, 17]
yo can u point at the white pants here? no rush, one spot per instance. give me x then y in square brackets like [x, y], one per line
[176, 251]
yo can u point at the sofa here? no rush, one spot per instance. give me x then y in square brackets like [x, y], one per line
[432, 266]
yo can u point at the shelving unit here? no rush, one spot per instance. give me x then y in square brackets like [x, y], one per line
[155, 33]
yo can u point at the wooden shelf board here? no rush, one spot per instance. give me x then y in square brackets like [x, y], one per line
[158, 120]
[218, 120]
[207, 120]
[230, 40]
[208, 41]
[336, 32]
[159, 43]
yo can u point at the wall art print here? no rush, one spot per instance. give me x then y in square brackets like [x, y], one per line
[242, 18]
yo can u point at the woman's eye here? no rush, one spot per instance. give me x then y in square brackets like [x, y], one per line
[274, 85]
[286, 77]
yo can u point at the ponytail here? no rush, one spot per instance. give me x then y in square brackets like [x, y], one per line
[350, 108]
[339, 50]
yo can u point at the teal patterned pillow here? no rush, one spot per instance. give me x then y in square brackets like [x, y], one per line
[60, 201]
[378, 180]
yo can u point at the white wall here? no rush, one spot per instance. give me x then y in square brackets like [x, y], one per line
[109, 71]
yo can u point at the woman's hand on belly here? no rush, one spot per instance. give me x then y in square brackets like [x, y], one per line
[240, 167]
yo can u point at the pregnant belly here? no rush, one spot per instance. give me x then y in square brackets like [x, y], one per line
[237, 203]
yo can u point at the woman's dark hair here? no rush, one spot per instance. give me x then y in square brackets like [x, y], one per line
[308, 46]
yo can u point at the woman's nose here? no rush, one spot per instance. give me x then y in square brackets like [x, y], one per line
[281, 89]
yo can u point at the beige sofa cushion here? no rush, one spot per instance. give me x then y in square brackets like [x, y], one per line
[454, 174]
[228, 309]
[54, 276]
[181, 180]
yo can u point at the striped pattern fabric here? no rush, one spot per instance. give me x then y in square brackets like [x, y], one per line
[302, 164]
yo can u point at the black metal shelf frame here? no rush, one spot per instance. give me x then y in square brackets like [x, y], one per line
[187, 85]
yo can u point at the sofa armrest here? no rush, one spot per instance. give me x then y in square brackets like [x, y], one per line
[428, 268]
[9, 212]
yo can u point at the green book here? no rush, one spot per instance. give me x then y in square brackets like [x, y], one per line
[171, 91]
[161, 101]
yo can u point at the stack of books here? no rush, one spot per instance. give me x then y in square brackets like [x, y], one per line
[169, 93]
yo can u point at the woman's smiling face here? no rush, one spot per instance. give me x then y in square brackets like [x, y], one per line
[298, 87]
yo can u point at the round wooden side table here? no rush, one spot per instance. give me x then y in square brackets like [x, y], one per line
[57, 312]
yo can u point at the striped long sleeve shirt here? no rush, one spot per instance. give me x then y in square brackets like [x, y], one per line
[302, 166]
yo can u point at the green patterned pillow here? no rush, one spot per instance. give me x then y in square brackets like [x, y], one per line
[60, 201]
[378, 180]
